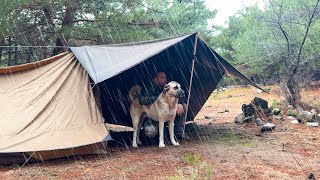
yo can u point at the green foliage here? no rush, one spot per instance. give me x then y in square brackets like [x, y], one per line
[292, 112]
[254, 38]
[276, 104]
[199, 170]
[86, 22]
[191, 159]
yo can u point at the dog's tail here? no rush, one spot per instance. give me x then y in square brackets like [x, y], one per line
[134, 92]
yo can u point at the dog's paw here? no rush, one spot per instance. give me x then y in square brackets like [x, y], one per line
[175, 143]
[162, 145]
[134, 145]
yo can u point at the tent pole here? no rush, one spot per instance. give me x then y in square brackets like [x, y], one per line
[191, 77]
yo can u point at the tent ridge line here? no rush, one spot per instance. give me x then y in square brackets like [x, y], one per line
[33, 65]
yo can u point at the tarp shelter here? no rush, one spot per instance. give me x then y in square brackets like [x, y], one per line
[49, 108]
[116, 68]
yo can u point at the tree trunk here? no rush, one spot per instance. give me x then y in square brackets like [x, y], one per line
[30, 54]
[292, 91]
[48, 14]
[15, 62]
[67, 21]
[59, 49]
[9, 52]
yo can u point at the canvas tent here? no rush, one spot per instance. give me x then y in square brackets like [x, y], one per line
[49, 108]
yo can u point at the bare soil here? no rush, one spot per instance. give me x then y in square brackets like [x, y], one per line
[218, 149]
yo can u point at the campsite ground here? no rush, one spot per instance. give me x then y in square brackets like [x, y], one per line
[219, 149]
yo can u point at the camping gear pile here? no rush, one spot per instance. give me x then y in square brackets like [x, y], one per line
[259, 112]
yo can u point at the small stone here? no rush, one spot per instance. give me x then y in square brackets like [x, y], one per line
[295, 121]
[314, 112]
[239, 119]
[305, 116]
[268, 127]
[280, 118]
[291, 118]
[290, 107]
[259, 91]
[299, 108]
[226, 110]
[313, 124]
[260, 122]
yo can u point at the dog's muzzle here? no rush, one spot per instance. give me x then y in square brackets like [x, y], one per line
[180, 93]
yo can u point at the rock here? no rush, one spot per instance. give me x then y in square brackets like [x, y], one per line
[248, 119]
[318, 117]
[295, 121]
[290, 118]
[276, 111]
[290, 107]
[299, 108]
[292, 112]
[239, 119]
[313, 124]
[314, 112]
[305, 116]
[208, 116]
[258, 102]
[311, 177]
[268, 127]
[279, 117]
[260, 122]
[226, 110]
[259, 91]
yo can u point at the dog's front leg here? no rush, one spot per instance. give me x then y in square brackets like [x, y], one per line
[171, 132]
[161, 127]
[135, 122]
[134, 139]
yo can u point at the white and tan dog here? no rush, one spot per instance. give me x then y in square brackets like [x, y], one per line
[162, 110]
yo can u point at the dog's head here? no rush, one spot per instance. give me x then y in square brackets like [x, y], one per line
[173, 89]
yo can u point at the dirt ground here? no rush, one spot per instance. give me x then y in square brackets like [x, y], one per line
[218, 149]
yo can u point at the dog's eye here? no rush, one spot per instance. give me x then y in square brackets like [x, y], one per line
[176, 87]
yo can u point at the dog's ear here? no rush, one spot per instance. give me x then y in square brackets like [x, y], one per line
[166, 88]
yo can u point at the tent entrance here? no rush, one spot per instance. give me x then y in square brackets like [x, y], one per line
[176, 61]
